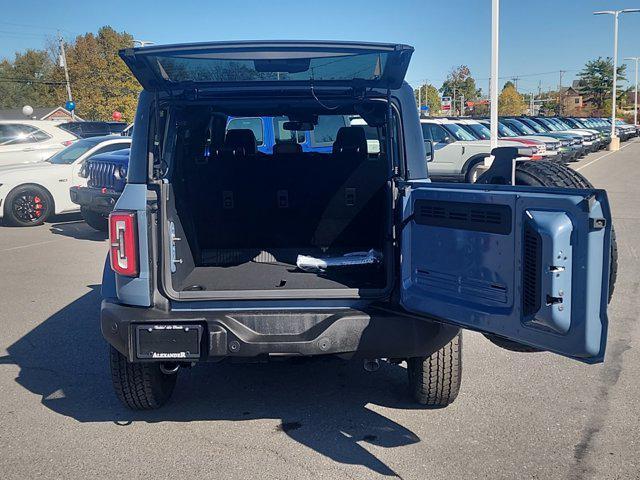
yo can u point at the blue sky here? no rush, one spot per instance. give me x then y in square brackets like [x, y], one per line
[537, 36]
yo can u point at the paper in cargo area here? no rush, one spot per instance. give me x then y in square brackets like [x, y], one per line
[354, 259]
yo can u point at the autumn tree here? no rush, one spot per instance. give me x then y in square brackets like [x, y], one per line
[510, 102]
[596, 81]
[100, 81]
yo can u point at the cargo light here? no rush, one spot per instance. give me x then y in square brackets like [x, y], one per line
[123, 243]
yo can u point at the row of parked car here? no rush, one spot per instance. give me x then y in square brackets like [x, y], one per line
[24, 141]
[462, 144]
[88, 174]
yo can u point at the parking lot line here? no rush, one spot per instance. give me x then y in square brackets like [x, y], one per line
[605, 155]
[19, 247]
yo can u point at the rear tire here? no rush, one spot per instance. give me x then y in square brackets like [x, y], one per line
[95, 220]
[435, 380]
[140, 386]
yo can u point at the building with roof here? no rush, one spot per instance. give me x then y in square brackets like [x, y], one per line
[57, 114]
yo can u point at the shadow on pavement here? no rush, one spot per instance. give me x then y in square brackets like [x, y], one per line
[321, 403]
[77, 229]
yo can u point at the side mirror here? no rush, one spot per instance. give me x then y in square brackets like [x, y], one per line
[428, 147]
[448, 139]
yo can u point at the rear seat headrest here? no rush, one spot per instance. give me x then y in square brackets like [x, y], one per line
[240, 142]
[286, 148]
[352, 139]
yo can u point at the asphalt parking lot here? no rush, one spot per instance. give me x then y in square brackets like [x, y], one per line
[517, 416]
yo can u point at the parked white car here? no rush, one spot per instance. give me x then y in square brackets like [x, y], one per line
[25, 141]
[457, 154]
[30, 193]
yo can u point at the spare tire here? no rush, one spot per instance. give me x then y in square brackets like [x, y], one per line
[548, 174]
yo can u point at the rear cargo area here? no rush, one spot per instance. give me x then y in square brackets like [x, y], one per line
[243, 216]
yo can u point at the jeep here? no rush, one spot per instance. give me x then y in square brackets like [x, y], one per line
[221, 252]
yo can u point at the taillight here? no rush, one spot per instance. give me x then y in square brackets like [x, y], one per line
[123, 241]
[66, 143]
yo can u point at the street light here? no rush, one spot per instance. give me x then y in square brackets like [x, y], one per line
[635, 108]
[493, 85]
[615, 141]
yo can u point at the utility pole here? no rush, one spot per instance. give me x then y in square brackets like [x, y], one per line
[63, 61]
[635, 103]
[462, 105]
[560, 109]
[515, 82]
[532, 103]
[453, 103]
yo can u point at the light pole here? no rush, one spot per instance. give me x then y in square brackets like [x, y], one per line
[635, 105]
[615, 141]
[493, 85]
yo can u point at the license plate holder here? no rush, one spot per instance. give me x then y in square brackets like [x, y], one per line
[168, 341]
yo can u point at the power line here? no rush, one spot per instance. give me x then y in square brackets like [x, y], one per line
[40, 27]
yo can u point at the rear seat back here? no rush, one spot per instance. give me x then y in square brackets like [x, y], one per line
[357, 184]
[289, 199]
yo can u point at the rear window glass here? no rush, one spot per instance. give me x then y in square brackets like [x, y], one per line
[217, 67]
[282, 135]
[13, 134]
[254, 124]
[326, 130]
[458, 132]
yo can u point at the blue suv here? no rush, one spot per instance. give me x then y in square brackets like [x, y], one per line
[228, 245]
[106, 176]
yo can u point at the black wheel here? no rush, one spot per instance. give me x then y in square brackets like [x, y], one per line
[435, 380]
[95, 220]
[28, 206]
[547, 174]
[140, 386]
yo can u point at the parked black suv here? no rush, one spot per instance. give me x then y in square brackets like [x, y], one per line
[94, 129]
[219, 251]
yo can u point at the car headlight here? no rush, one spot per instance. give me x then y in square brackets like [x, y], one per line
[120, 173]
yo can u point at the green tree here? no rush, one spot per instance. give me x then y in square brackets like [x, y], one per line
[509, 83]
[510, 102]
[433, 98]
[460, 81]
[596, 81]
[26, 80]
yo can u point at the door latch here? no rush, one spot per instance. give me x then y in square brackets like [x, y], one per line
[172, 246]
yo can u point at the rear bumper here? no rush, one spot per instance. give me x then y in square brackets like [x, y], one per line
[346, 332]
[95, 199]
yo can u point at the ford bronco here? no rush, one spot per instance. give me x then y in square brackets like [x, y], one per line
[219, 251]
